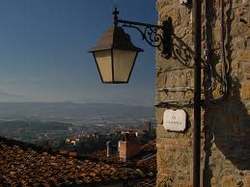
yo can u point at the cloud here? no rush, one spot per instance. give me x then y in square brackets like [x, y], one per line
[8, 94]
[18, 81]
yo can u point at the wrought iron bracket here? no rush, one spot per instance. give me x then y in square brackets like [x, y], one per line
[159, 36]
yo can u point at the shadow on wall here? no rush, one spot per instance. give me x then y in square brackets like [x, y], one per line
[227, 123]
[182, 52]
[229, 128]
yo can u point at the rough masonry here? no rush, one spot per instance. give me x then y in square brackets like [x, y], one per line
[226, 114]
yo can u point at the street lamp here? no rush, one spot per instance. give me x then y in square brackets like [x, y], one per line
[115, 54]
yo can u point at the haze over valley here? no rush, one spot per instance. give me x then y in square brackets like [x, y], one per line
[39, 122]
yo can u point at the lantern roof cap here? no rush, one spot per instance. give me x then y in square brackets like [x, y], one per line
[115, 38]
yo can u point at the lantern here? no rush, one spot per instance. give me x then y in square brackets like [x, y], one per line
[115, 56]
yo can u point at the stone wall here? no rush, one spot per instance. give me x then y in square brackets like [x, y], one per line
[226, 121]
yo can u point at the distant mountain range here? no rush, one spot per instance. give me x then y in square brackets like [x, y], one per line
[67, 111]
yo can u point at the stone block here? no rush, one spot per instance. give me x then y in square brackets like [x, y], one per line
[228, 181]
[245, 90]
[247, 43]
[246, 181]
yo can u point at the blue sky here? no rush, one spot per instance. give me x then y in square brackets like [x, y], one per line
[43, 51]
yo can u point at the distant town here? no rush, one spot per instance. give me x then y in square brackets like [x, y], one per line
[125, 139]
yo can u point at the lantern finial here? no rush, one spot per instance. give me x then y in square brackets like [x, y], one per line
[115, 16]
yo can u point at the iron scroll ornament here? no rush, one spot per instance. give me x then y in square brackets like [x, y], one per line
[159, 36]
[150, 34]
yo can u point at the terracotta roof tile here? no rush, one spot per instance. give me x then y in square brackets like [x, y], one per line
[30, 168]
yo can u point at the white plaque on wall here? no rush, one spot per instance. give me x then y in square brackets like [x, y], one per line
[174, 120]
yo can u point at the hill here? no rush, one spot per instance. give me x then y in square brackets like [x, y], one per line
[71, 112]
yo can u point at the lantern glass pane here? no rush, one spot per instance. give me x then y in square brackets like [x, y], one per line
[104, 63]
[123, 64]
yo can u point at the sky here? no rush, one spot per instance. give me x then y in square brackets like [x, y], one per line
[44, 51]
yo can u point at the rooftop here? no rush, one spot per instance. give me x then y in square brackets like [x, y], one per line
[23, 166]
